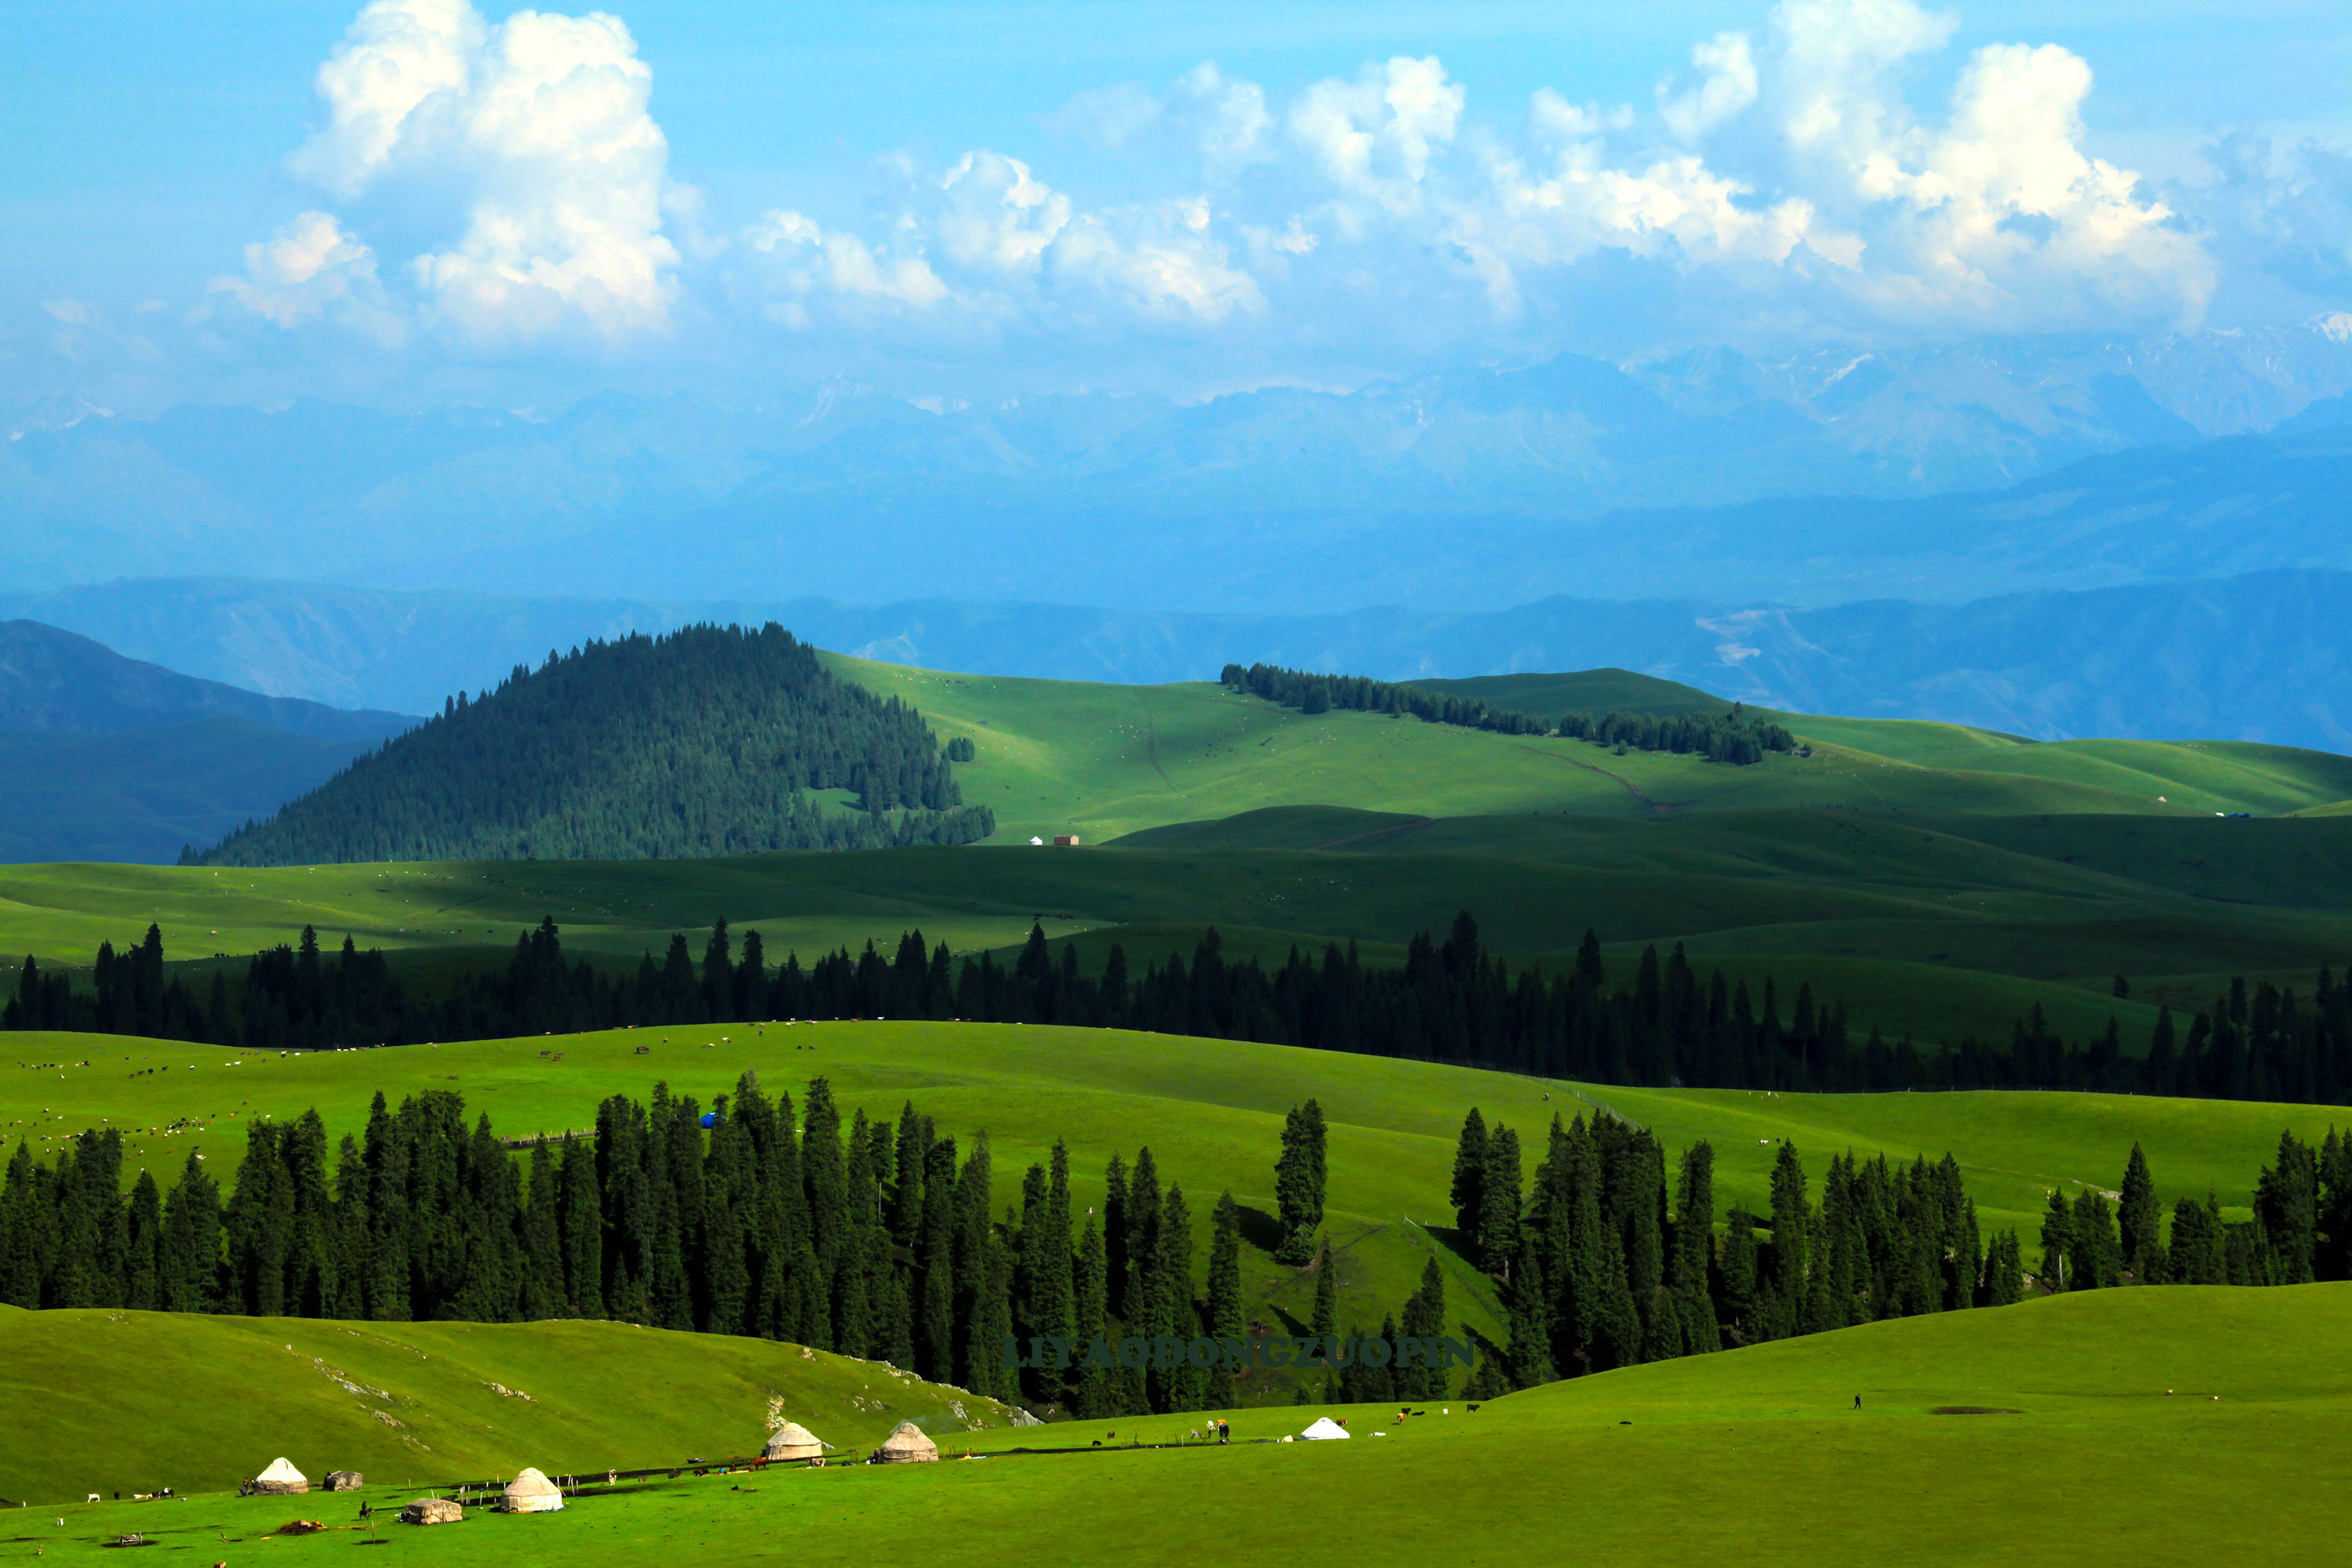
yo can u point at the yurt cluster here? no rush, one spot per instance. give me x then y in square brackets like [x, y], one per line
[532, 1492]
[529, 1493]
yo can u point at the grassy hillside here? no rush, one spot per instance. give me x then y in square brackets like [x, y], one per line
[1104, 761]
[103, 1401]
[1758, 1455]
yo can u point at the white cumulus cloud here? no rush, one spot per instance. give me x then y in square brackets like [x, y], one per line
[1727, 86]
[1376, 135]
[533, 135]
[990, 241]
[307, 268]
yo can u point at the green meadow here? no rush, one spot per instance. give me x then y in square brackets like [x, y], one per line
[2172, 1426]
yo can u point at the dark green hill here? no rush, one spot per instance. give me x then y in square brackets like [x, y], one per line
[704, 741]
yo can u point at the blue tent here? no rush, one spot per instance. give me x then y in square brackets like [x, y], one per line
[711, 1118]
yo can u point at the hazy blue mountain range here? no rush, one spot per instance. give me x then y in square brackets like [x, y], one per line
[108, 758]
[52, 679]
[2262, 655]
[1686, 478]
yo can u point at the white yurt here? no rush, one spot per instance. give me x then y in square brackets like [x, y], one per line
[792, 1441]
[431, 1511]
[1323, 1429]
[532, 1492]
[280, 1480]
[906, 1445]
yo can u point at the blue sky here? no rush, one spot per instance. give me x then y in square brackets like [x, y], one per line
[426, 200]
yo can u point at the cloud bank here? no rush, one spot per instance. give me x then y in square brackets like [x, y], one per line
[494, 185]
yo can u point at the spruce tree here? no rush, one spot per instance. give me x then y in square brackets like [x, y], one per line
[1324, 1320]
[1170, 1292]
[2195, 1256]
[1792, 1221]
[1046, 1257]
[935, 1265]
[1114, 1236]
[2057, 1241]
[1736, 1280]
[1424, 1319]
[1094, 1396]
[1142, 1228]
[974, 1263]
[1469, 1194]
[1498, 1201]
[582, 1225]
[1298, 1181]
[1529, 1351]
[1690, 1263]
[2004, 1279]
[2094, 1258]
[2286, 1203]
[2141, 1221]
[1225, 1302]
[191, 1243]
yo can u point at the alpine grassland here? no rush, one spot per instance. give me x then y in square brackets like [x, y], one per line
[1833, 908]
[1937, 1439]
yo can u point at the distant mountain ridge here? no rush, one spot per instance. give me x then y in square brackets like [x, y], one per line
[2263, 655]
[1279, 498]
[108, 758]
[55, 679]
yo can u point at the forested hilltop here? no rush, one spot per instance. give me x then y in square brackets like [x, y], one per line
[704, 741]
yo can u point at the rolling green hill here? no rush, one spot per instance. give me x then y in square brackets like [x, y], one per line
[1106, 761]
[1211, 1111]
[2205, 1430]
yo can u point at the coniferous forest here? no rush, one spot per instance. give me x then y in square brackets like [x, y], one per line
[883, 1242]
[1727, 737]
[704, 741]
[1452, 1002]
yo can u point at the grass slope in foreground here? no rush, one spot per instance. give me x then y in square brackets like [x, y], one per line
[1757, 1456]
[106, 1401]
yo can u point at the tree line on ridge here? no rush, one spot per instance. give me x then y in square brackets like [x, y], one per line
[1728, 737]
[1453, 1001]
